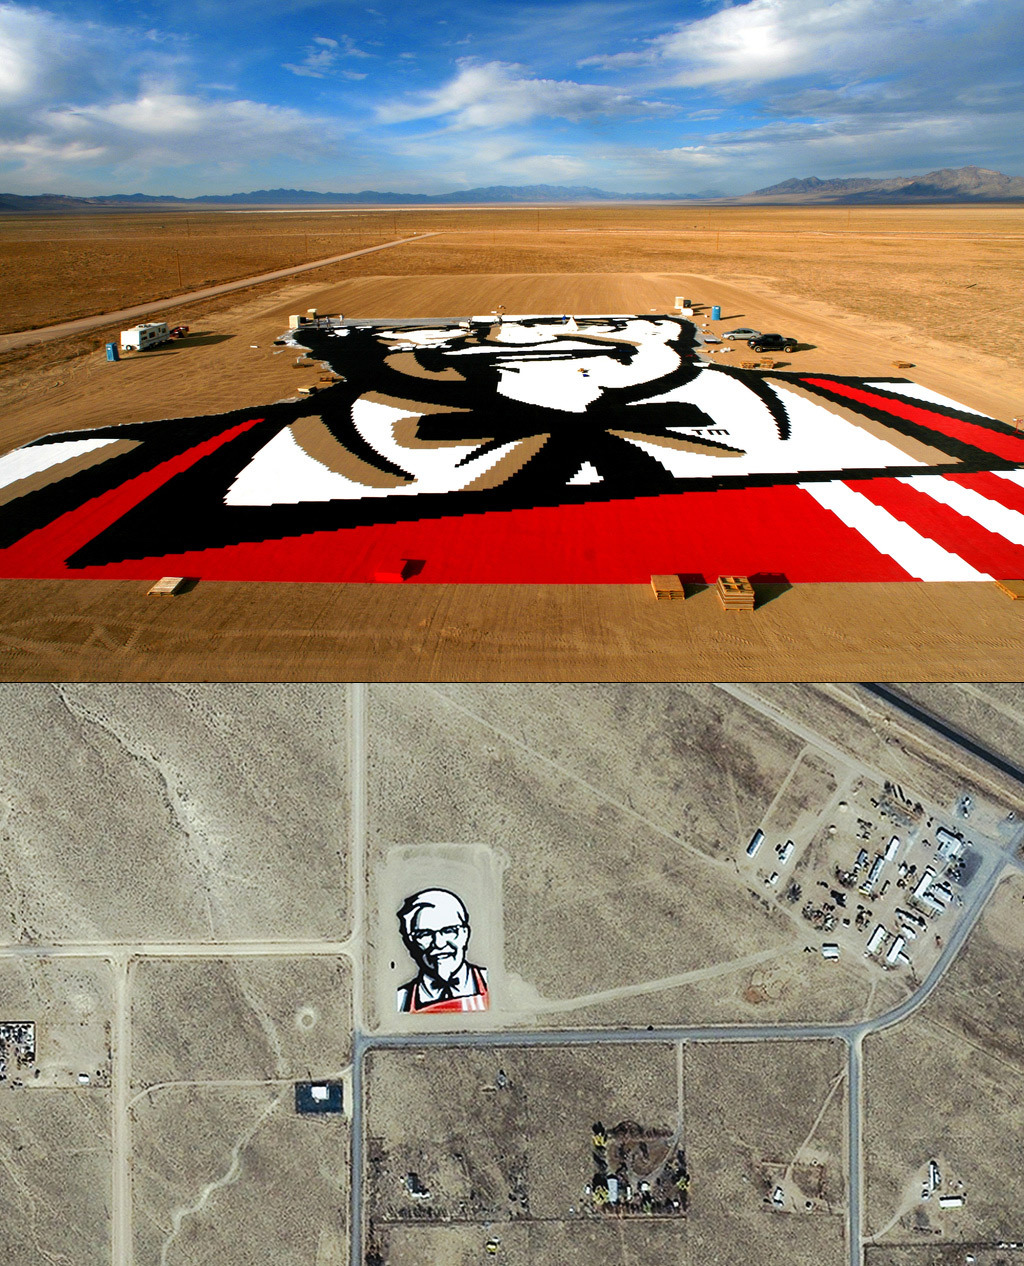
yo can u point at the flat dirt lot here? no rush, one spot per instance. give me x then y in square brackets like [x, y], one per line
[930, 1094]
[503, 1142]
[70, 1001]
[252, 1019]
[220, 1173]
[885, 294]
[761, 1116]
[157, 814]
[56, 1145]
[620, 817]
[942, 1255]
[949, 1085]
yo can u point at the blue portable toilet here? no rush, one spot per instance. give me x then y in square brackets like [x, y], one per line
[112, 352]
[716, 312]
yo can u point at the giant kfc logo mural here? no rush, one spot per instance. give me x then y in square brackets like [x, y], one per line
[539, 450]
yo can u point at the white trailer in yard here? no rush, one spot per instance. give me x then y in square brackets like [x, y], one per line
[139, 337]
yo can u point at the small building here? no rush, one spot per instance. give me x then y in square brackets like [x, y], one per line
[316, 1097]
[876, 869]
[876, 940]
[773, 878]
[755, 843]
[934, 1177]
[415, 1187]
[613, 1189]
[892, 848]
[951, 1202]
[862, 858]
[786, 852]
[895, 952]
[950, 846]
[924, 883]
[830, 952]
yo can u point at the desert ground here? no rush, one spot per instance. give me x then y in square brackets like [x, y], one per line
[619, 817]
[949, 1086]
[860, 288]
[504, 1143]
[199, 895]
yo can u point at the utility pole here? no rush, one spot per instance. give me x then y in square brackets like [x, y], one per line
[177, 260]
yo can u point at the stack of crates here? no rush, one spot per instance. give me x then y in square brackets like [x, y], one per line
[735, 593]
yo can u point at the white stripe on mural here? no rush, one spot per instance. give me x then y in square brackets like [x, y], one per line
[988, 514]
[916, 392]
[916, 554]
[24, 462]
[1014, 476]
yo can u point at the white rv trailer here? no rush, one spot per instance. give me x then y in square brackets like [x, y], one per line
[139, 337]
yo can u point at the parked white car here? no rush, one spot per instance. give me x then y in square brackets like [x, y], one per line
[742, 333]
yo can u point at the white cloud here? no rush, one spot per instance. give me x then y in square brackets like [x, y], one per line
[762, 41]
[80, 97]
[43, 56]
[170, 129]
[498, 94]
[322, 56]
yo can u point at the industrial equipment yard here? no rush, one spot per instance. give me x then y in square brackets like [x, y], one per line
[680, 1035]
[518, 592]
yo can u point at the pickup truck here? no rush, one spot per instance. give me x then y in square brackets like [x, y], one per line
[772, 343]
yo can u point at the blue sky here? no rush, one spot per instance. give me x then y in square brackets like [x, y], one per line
[217, 96]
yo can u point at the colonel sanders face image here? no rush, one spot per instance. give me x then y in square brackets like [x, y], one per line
[532, 408]
[539, 411]
[427, 423]
[435, 928]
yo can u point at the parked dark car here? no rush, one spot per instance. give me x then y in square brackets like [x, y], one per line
[772, 343]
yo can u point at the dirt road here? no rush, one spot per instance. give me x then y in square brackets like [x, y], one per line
[22, 338]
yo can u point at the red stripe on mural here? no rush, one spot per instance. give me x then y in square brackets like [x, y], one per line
[1005, 491]
[751, 531]
[983, 549]
[1010, 447]
[42, 553]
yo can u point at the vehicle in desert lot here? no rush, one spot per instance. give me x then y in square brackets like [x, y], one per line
[178, 331]
[772, 343]
[140, 337]
[742, 332]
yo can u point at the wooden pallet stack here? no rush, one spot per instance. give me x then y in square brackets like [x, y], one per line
[735, 593]
[166, 587]
[667, 587]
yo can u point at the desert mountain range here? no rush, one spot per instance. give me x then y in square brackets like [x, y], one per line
[959, 184]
